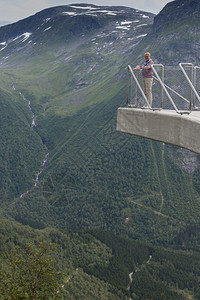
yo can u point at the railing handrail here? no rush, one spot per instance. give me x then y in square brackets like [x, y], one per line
[195, 76]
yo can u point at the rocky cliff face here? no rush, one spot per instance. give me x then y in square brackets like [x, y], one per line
[175, 34]
[176, 14]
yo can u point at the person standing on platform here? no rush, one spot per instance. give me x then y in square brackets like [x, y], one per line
[147, 76]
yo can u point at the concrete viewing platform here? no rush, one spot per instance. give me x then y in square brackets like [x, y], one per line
[162, 125]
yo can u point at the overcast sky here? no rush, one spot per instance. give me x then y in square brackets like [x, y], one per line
[14, 10]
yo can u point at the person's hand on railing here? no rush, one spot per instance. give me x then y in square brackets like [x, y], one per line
[136, 68]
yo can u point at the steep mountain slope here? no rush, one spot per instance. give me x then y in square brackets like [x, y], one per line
[176, 32]
[70, 62]
[70, 49]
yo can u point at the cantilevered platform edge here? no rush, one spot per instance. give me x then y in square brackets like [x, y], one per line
[165, 126]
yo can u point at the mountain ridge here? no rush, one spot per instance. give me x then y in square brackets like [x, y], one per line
[69, 17]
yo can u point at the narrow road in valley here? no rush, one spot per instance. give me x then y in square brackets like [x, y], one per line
[135, 201]
[137, 270]
[131, 280]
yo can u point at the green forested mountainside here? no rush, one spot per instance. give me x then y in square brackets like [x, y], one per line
[97, 177]
[95, 182]
[100, 265]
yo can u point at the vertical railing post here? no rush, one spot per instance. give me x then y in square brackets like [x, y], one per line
[127, 94]
[191, 92]
[162, 91]
[189, 81]
[131, 93]
[136, 94]
[195, 81]
[162, 78]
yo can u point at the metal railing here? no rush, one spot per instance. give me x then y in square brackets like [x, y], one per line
[174, 87]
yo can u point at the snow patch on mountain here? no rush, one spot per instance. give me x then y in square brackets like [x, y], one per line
[26, 36]
[83, 7]
[122, 27]
[70, 13]
[3, 48]
[107, 12]
[111, 14]
[140, 25]
[88, 11]
[91, 14]
[47, 28]
[140, 36]
[144, 16]
[126, 22]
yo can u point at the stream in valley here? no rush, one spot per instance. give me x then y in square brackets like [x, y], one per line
[33, 126]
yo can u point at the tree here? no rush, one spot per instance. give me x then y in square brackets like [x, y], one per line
[30, 274]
